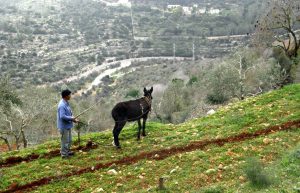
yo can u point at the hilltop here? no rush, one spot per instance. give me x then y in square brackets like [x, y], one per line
[207, 154]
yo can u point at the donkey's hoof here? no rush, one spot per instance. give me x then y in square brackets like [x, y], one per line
[144, 135]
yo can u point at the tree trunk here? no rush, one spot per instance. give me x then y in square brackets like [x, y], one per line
[17, 142]
[25, 142]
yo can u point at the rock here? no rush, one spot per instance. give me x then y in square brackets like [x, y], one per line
[98, 190]
[112, 172]
[172, 171]
[209, 171]
[210, 112]
[220, 167]
[267, 141]
[242, 178]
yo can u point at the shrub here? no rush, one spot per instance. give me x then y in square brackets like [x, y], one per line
[216, 98]
[132, 93]
[256, 174]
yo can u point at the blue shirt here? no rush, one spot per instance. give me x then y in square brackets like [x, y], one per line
[64, 115]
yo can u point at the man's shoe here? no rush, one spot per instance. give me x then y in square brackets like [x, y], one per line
[71, 153]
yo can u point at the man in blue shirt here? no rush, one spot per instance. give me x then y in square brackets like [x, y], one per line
[65, 121]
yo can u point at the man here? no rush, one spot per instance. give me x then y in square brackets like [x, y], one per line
[65, 121]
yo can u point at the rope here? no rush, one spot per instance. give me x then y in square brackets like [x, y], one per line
[134, 118]
[148, 101]
[92, 106]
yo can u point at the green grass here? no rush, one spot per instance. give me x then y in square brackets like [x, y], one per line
[196, 171]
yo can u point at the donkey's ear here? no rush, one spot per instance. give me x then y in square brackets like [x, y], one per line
[145, 90]
[151, 89]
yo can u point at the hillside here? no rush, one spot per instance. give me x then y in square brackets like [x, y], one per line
[50, 41]
[208, 154]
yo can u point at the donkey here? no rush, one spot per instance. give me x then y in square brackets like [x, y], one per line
[133, 110]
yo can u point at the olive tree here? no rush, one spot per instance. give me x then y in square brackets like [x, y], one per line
[276, 28]
[8, 98]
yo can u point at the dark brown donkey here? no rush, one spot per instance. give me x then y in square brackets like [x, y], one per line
[133, 110]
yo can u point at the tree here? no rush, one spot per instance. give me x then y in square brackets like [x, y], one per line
[174, 101]
[240, 75]
[31, 121]
[276, 28]
[8, 98]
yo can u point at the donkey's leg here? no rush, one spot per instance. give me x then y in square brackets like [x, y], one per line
[144, 125]
[118, 128]
[139, 130]
[115, 134]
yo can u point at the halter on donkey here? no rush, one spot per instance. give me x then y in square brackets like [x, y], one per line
[133, 110]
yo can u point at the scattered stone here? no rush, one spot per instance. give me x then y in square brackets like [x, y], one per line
[112, 172]
[226, 167]
[119, 184]
[242, 178]
[209, 171]
[220, 167]
[211, 112]
[98, 190]
[266, 124]
[267, 141]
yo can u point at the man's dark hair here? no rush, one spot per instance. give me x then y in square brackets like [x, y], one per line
[65, 93]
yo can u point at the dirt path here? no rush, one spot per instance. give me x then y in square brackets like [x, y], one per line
[14, 160]
[158, 155]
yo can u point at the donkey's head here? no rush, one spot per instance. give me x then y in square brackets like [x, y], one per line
[147, 93]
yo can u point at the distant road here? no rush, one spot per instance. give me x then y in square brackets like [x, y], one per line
[197, 37]
[106, 69]
[120, 2]
[124, 64]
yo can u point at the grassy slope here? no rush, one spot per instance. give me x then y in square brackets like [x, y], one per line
[195, 171]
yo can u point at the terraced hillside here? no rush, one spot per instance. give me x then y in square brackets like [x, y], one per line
[208, 154]
[43, 42]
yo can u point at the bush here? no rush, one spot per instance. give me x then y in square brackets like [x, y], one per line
[216, 98]
[132, 93]
[256, 174]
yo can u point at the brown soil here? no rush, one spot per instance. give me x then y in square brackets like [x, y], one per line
[158, 155]
[4, 148]
[11, 161]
